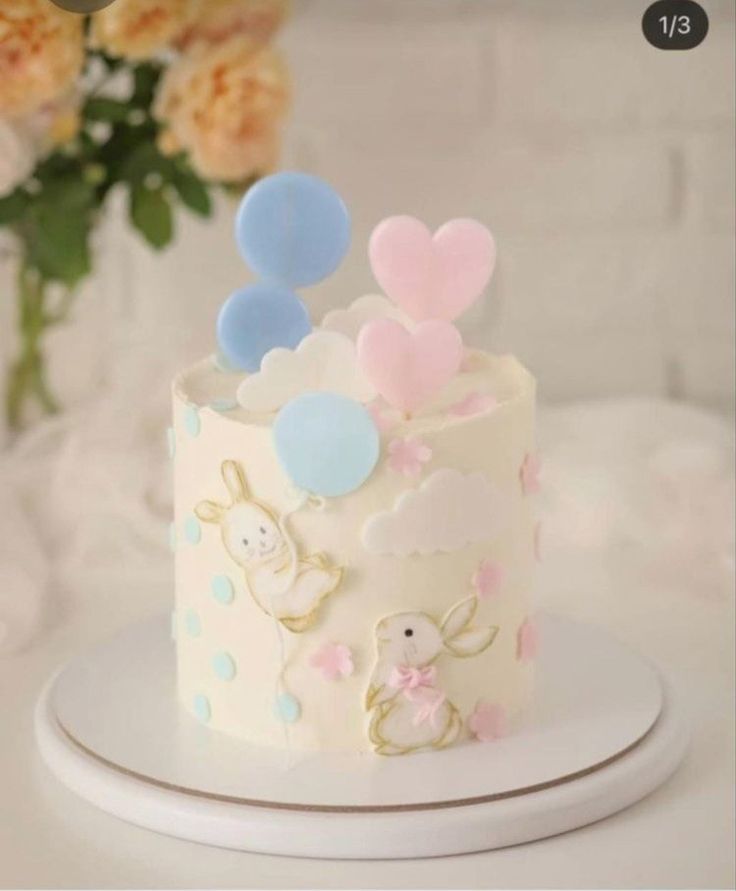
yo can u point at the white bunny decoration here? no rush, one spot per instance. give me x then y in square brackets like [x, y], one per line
[409, 711]
[284, 585]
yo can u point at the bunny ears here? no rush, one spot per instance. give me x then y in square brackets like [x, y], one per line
[235, 483]
[458, 637]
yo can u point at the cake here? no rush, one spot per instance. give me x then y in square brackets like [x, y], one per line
[355, 536]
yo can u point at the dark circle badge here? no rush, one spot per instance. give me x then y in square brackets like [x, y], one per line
[82, 6]
[675, 24]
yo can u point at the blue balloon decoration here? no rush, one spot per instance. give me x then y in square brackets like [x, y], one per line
[255, 319]
[292, 229]
[327, 443]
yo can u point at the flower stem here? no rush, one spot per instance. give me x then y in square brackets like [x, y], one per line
[27, 373]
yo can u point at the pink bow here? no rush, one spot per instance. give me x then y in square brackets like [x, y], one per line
[417, 685]
[404, 677]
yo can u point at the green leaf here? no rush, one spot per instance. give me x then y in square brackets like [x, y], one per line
[150, 213]
[193, 192]
[72, 191]
[144, 160]
[12, 207]
[57, 229]
[145, 77]
[112, 62]
[109, 110]
[57, 243]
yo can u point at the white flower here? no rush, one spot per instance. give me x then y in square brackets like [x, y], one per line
[17, 155]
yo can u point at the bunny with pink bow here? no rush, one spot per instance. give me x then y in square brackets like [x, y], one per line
[433, 279]
[409, 710]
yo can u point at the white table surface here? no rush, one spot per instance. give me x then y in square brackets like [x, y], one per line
[681, 836]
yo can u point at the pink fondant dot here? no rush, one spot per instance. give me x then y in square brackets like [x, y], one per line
[529, 473]
[527, 641]
[488, 578]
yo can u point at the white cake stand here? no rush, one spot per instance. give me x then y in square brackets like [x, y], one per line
[604, 733]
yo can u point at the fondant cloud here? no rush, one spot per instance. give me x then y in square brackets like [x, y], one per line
[372, 306]
[324, 360]
[447, 512]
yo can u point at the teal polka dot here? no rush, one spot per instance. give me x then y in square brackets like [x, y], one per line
[222, 589]
[192, 623]
[191, 420]
[223, 404]
[202, 708]
[224, 666]
[172, 536]
[192, 530]
[288, 708]
[171, 441]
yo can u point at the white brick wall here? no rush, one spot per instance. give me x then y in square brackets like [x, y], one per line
[604, 166]
[585, 64]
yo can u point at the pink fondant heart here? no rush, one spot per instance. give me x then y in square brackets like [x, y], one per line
[408, 368]
[432, 277]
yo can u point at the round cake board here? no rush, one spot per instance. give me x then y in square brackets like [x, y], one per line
[603, 733]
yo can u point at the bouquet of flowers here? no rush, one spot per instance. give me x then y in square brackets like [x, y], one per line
[166, 98]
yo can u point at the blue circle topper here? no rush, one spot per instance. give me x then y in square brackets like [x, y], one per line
[258, 318]
[292, 229]
[327, 443]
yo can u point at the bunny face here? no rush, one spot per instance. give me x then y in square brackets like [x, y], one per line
[408, 639]
[251, 534]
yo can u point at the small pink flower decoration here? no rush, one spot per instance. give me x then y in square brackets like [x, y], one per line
[488, 578]
[527, 641]
[408, 455]
[335, 661]
[473, 404]
[488, 721]
[529, 474]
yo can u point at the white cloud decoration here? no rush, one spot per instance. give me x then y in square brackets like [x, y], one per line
[365, 309]
[447, 512]
[323, 361]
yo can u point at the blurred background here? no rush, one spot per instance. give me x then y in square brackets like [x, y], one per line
[604, 166]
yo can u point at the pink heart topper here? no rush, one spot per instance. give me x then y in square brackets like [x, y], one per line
[432, 276]
[408, 368]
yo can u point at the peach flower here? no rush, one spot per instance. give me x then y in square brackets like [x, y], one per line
[139, 29]
[213, 21]
[41, 54]
[224, 106]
